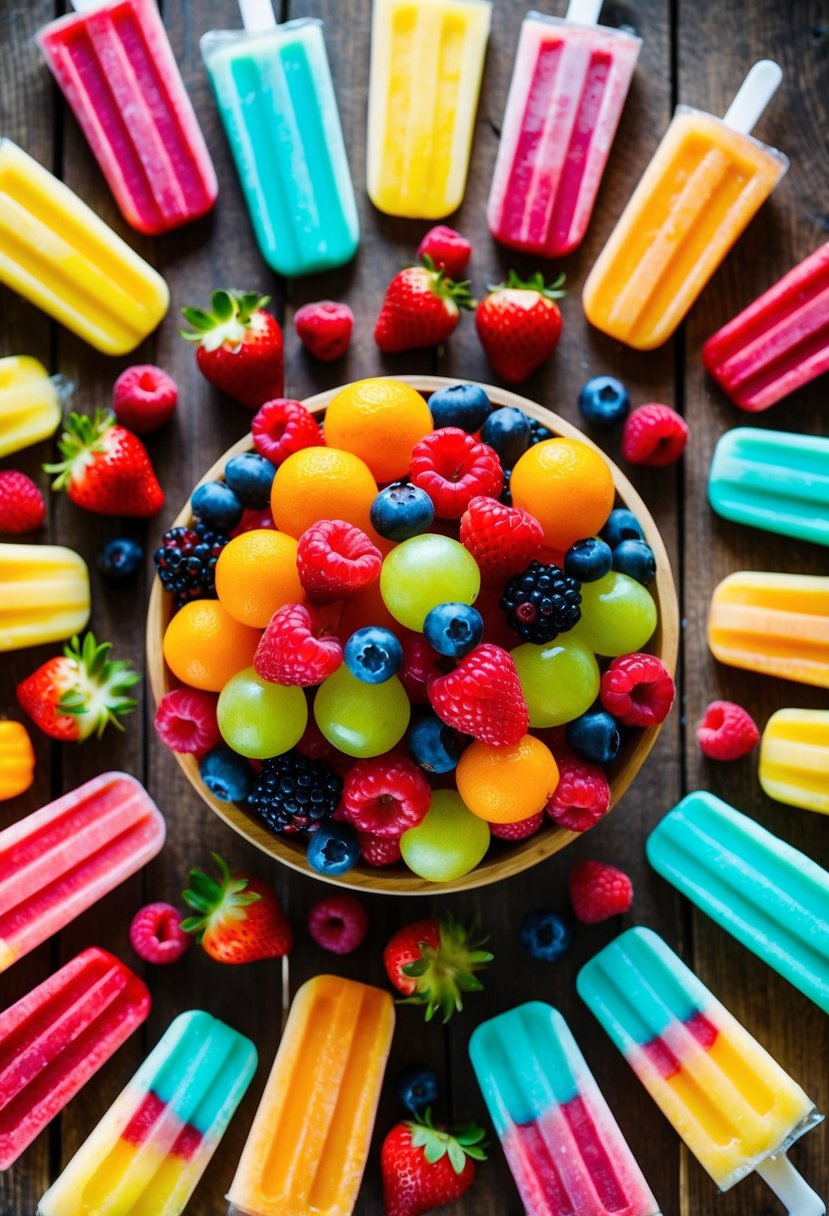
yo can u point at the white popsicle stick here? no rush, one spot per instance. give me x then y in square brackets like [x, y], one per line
[257, 15]
[753, 96]
[790, 1188]
[86, 6]
[584, 12]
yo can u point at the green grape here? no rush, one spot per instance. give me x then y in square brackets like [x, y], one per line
[618, 615]
[361, 719]
[259, 719]
[448, 842]
[426, 571]
[559, 680]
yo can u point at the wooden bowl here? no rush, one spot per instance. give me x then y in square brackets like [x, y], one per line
[503, 859]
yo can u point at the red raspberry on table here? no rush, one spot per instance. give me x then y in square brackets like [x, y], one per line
[448, 250]
[336, 560]
[324, 329]
[385, 795]
[289, 652]
[22, 508]
[599, 891]
[144, 398]
[582, 796]
[185, 720]
[379, 850]
[338, 923]
[654, 435]
[503, 540]
[453, 467]
[156, 934]
[421, 664]
[282, 427]
[727, 731]
[637, 689]
[482, 697]
[520, 830]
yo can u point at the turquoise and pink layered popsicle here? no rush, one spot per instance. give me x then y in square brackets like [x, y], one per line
[148, 1152]
[566, 1152]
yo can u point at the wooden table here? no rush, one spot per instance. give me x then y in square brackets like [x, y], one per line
[694, 53]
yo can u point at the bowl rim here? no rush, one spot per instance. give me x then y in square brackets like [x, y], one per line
[521, 855]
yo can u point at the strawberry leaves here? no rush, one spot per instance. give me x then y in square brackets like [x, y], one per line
[458, 1144]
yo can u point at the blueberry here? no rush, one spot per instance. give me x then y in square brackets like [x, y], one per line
[333, 848]
[507, 431]
[373, 654]
[416, 1088]
[436, 747]
[250, 476]
[635, 558]
[216, 505]
[594, 735]
[545, 935]
[463, 405]
[604, 401]
[453, 629]
[401, 510]
[120, 558]
[226, 774]
[621, 525]
[588, 560]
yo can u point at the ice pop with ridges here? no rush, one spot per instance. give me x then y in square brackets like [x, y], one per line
[794, 758]
[44, 595]
[29, 403]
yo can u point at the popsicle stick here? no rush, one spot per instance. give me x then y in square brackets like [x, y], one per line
[584, 12]
[753, 95]
[789, 1187]
[257, 15]
[86, 6]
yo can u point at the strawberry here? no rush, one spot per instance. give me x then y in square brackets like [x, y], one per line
[448, 250]
[421, 308]
[424, 1168]
[482, 697]
[240, 349]
[105, 468]
[503, 540]
[324, 329]
[432, 962]
[80, 692]
[519, 325]
[22, 508]
[239, 918]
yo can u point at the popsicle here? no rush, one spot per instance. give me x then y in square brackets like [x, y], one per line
[773, 480]
[779, 342]
[152, 1146]
[427, 60]
[60, 255]
[17, 759]
[276, 99]
[57, 1036]
[729, 1100]
[116, 69]
[794, 758]
[29, 403]
[307, 1148]
[58, 861]
[774, 624]
[771, 897]
[706, 181]
[44, 594]
[566, 1152]
[568, 88]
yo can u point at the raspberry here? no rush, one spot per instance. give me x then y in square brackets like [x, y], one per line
[541, 602]
[598, 891]
[453, 467]
[503, 540]
[289, 652]
[156, 934]
[324, 329]
[519, 830]
[385, 795]
[293, 794]
[582, 796]
[254, 520]
[282, 427]
[637, 689]
[654, 435]
[379, 850]
[421, 664]
[144, 398]
[448, 250]
[185, 720]
[727, 731]
[22, 508]
[482, 697]
[336, 560]
[338, 923]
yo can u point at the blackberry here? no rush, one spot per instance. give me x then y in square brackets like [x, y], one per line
[541, 602]
[294, 793]
[186, 562]
[506, 493]
[538, 432]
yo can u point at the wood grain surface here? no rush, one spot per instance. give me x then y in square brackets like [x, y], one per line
[693, 53]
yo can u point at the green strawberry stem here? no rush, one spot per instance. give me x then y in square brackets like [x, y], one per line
[442, 975]
[446, 288]
[216, 899]
[456, 1144]
[82, 437]
[227, 322]
[552, 291]
[98, 693]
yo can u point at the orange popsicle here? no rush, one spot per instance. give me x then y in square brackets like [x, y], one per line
[307, 1149]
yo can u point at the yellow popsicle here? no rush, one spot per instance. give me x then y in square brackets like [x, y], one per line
[44, 595]
[58, 253]
[29, 404]
[794, 758]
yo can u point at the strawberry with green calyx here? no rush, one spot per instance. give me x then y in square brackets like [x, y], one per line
[432, 962]
[238, 916]
[79, 693]
[424, 1168]
[421, 308]
[239, 347]
[105, 468]
[519, 325]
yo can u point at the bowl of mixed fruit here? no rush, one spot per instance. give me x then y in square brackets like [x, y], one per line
[412, 634]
